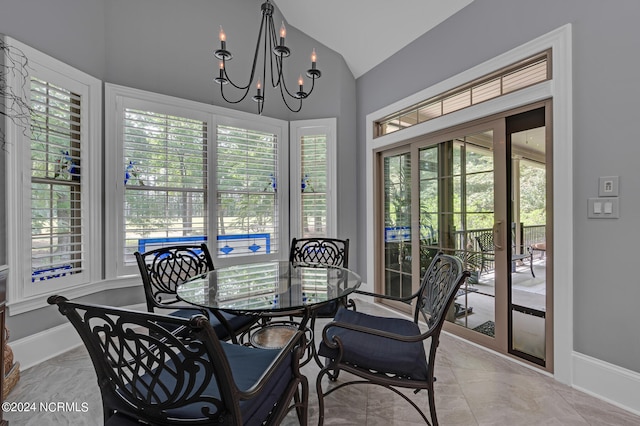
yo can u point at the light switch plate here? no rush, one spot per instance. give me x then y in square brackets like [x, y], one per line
[603, 208]
[608, 186]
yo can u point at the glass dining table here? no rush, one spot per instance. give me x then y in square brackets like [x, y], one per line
[270, 290]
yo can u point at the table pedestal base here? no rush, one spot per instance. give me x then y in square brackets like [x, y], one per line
[273, 336]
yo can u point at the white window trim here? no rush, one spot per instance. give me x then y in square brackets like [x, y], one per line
[116, 98]
[23, 295]
[560, 90]
[300, 128]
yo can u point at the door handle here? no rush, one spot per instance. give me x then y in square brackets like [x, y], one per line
[497, 235]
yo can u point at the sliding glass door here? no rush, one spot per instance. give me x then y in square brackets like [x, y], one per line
[478, 192]
[460, 214]
[396, 212]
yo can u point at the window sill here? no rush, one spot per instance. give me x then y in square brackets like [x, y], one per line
[17, 307]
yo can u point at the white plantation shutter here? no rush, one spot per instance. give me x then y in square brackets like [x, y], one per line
[165, 181]
[57, 237]
[246, 193]
[313, 185]
[313, 178]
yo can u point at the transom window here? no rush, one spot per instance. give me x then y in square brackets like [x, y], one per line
[525, 73]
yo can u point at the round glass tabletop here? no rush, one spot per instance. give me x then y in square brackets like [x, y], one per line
[268, 286]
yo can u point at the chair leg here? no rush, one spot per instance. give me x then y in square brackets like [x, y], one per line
[301, 399]
[320, 397]
[432, 406]
[531, 265]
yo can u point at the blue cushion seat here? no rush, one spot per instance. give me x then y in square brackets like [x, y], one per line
[327, 310]
[247, 366]
[375, 352]
[237, 322]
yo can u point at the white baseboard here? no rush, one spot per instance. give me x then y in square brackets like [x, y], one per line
[39, 347]
[608, 382]
[32, 350]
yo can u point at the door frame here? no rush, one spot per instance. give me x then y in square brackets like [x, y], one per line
[559, 88]
[497, 124]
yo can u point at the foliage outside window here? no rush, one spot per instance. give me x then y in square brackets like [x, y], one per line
[533, 178]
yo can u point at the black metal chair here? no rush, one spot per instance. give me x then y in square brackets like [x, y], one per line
[323, 251]
[319, 252]
[390, 352]
[310, 252]
[164, 370]
[163, 269]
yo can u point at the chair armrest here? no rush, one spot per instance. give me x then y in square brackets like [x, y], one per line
[386, 296]
[297, 340]
[194, 308]
[371, 331]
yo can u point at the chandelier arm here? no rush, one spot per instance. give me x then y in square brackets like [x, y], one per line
[226, 76]
[246, 92]
[284, 99]
[313, 84]
[279, 59]
[286, 89]
[255, 60]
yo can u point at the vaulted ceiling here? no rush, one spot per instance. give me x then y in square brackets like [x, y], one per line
[366, 32]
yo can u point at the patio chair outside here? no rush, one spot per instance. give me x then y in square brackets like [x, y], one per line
[486, 246]
[390, 352]
[163, 269]
[166, 370]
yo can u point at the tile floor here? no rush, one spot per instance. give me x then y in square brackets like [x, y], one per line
[473, 387]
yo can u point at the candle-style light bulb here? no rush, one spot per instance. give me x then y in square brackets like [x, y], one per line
[283, 31]
[221, 69]
[300, 82]
[223, 39]
[314, 59]
[259, 85]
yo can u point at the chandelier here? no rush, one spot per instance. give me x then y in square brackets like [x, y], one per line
[267, 45]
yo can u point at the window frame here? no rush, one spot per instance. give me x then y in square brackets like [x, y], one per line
[280, 129]
[23, 294]
[299, 129]
[117, 98]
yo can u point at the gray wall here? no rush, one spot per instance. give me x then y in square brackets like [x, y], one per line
[69, 30]
[606, 90]
[166, 46]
